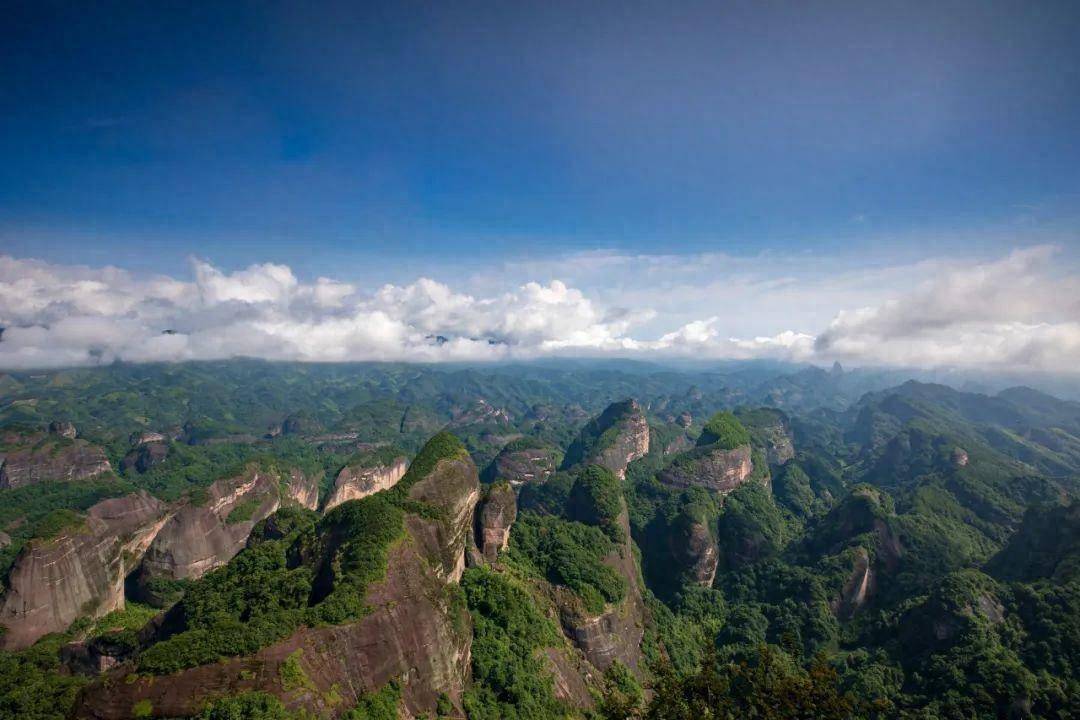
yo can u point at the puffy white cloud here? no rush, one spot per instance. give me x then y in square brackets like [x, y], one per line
[1021, 311]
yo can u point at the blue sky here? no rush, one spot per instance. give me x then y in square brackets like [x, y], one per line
[326, 135]
[709, 178]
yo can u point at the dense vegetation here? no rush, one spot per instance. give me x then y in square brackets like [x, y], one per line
[918, 558]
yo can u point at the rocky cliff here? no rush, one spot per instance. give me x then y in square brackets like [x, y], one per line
[79, 571]
[415, 630]
[494, 517]
[361, 479]
[54, 457]
[613, 440]
[616, 633]
[206, 534]
[711, 467]
[524, 461]
[771, 431]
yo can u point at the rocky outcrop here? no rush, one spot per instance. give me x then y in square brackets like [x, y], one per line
[524, 461]
[613, 440]
[453, 488]
[63, 429]
[777, 440]
[416, 632]
[858, 588]
[710, 467]
[959, 457]
[302, 490]
[79, 572]
[494, 517]
[52, 458]
[203, 536]
[574, 681]
[685, 420]
[145, 456]
[616, 633]
[698, 553]
[413, 635]
[359, 480]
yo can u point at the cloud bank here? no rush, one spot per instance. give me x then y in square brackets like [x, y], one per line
[1018, 312]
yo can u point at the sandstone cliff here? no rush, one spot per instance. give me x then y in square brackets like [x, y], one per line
[203, 535]
[494, 517]
[415, 632]
[361, 479]
[613, 440]
[616, 633]
[50, 458]
[524, 461]
[79, 572]
[711, 467]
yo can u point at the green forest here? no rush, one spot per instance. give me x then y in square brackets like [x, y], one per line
[860, 548]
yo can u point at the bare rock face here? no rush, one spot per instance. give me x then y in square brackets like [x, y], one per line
[522, 462]
[700, 554]
[710, 467]
[858, 588]
[199, 538]
[79, 572]
[615, 439]
[62, 429]
[145, 456]
[777, 439]
[685, 420]
[357, 481]
[494, 518]
[573, 678]
[959, 457]
[415, 633]
[616, 633]
[453, 487]
[302, 490]
[53, 458]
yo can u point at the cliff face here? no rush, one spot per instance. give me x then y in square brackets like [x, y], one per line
[520, 465]
[616, 633]
[201, 537]
[145, 456]
[79, 572]
[494, 518]
[302, 490]
[53, 458]
[615, 439]
[697, 550]
[354, 482]
[453, 487]
[417, 631]
[710, 467]
[776, 437]
[858, 588]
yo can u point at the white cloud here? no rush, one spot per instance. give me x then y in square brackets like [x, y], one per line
[1021, 311]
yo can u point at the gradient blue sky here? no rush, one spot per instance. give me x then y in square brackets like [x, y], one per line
[334, 136]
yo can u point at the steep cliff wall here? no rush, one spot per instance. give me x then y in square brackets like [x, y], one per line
[357, 481]
[80, 571]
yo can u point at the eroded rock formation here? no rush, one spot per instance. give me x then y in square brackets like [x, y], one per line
[415, 633]
[52, 458]
[358, 480]
[616, 633]
[494, 517]
[524, 462]
[202, 536]
[710, 467]
[613, 440]
[80, 571]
